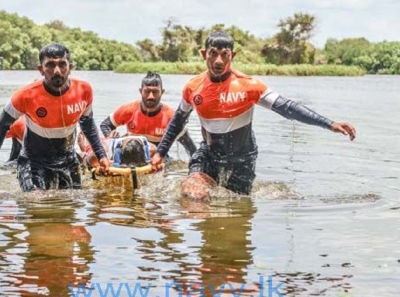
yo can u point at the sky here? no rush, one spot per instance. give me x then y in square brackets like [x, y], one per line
[133, 20]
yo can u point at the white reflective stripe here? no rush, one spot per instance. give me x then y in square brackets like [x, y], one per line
[186, 107]
[268, 98]
[62, 132]
[88, 110]
[184, 130]
[10, 109]
[227, 125]
[112, 120]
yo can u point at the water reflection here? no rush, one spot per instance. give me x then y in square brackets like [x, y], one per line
[209, 246]
[197, 243]
[126, 209]
[226, 249]
[45, 249]
[190, 246]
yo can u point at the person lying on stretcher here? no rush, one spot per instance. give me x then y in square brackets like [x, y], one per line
[126, 151]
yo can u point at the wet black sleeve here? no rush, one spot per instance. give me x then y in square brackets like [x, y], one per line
[295, 111]
[5, 122]
[15, 150]
[187, 143]
[175, 127]
[88, 127]
[107, 127]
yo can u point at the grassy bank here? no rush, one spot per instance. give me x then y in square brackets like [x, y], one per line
[253, 69]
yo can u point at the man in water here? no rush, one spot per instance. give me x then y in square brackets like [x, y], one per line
[147, 117]
[52, 107]
[224, 100]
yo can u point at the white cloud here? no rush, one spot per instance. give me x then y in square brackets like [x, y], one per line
[133, 20]
[342, 4]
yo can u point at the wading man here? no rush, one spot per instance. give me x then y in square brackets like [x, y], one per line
[148, 117]
[52, 107]
[224, 100]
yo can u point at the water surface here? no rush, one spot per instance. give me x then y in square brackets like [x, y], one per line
[323, 218]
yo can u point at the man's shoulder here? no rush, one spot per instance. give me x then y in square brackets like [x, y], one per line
[29, 91]
[197, 79]
[129, 107]
[32, 86]
[240, 74]
[167, 109]
[132, 104]
[249, 80]
[80, 82]
[194, 83]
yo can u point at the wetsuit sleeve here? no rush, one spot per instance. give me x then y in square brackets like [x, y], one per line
[187, 143]
[293, 110]
[107, 126]
[88, 127]
[175, 127]
[15, 149]
[5, 122]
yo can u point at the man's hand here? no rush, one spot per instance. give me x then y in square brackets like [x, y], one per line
[114, 134]
[104, 165]
[157, 162]
[344, 128]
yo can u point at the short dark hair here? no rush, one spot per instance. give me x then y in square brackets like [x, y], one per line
[54, 50]
[219, 40]
[132, 153]
[152, 79]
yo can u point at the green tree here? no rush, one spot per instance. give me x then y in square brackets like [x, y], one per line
[148, 50]
[290, 45]
[57, 25]
[346, 50]
[16, 47]
[21, 40]
[385, 58]
[375, 58]
[178, 42]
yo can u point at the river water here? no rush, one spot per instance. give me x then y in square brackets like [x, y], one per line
[322, 220]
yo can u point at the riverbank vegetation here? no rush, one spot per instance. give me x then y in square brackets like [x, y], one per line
[254, 69]
[288, 52]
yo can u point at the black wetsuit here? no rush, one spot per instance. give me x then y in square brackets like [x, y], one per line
[48, 158]
[229, 151]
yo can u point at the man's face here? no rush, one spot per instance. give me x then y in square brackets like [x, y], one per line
[218, 60]
[55, 71]
[151, 96]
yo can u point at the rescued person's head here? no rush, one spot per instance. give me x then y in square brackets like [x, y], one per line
[132, 152]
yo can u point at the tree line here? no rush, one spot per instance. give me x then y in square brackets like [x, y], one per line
[21, 40]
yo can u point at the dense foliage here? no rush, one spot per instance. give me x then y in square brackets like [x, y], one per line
[375, 58]
[21, 40]
[290, 45]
